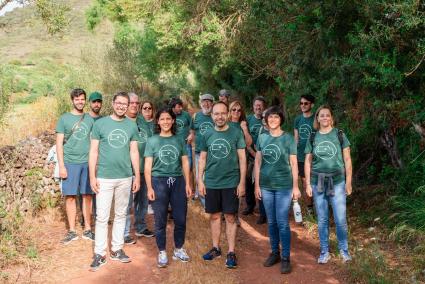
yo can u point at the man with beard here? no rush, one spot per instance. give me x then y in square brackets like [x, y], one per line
[223, 161]
[113, 157]
[72, 144]
[201, 122]
[95, 103]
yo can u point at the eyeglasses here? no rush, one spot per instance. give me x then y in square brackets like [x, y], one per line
[121, 104]
[236, 109]
[147, 108]
[135, 103]
[304, 103]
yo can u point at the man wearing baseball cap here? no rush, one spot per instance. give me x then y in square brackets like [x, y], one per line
[224, 96]
[95, 101]
[201, 122]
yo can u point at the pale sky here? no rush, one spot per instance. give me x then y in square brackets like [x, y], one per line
[9, 7]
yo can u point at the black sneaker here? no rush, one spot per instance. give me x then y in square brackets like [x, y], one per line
[98, 261]
[128, 240]
[231, 261]
[69, 237]
[212, 253]
[261, 220]
[120, 256]
[145, 233]
[272, 259]
[285, 265]
[88, 235]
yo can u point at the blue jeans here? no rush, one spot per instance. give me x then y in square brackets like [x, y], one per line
[202, 198]
[140, 209]
[169, 190]
[338, 203]
[189, 155]
[277, 204]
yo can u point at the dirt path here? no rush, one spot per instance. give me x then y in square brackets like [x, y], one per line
[69, 264]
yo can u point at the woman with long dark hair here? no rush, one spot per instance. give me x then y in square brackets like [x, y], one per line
[167, 179]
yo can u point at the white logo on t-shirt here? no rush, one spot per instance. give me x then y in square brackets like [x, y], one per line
[255, 129]
[168, 154]
[180, 124]
[271, 153]
[81, 131]
[304, 131]
[143, 136]
[205, 126]
[325, 150]
[220, 148]
[117, 138]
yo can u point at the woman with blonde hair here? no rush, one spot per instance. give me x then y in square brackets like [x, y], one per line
[328, 174]
[237, 118]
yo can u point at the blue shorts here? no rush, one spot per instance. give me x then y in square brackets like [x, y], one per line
[78, 181]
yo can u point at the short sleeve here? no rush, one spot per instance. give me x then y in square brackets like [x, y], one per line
[259, 141]
[292, 146]
[345, 142]
[190, 121]
[241, 140]
[134, 133]
[203, 143]
[149, 147]
[95, 133]
[60, 127]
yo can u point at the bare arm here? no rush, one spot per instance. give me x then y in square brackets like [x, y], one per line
[294, 168]
[257, 167]
[296, 136]
[242, 169]
[191, 137]
[307, 173]
[148, 177]
[59, 152]
[348, 170]
[93, 155]
[135, 162]
[247, 136]
[201, 169]
[186, 174]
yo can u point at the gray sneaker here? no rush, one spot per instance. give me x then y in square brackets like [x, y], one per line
[180, 254]
[120, 256]
[162, 259]
[69, 237]
[98, 261]
[88, 235]
[324, 258]
[128, 240]
[345, 255]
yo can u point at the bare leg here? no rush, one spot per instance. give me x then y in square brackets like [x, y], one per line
[215, 220]
[87, 210]
[231, 229]
[71, 211]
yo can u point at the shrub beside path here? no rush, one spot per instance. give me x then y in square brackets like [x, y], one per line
[69, 264]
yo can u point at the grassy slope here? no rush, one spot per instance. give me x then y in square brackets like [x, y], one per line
[43, 66]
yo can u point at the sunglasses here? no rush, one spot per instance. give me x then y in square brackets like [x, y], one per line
[236, 109]
[304, 103]
[147, 108]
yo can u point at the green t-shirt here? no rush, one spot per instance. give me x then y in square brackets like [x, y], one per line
[237, 125]
[150, 124]
[145, 131]
[76, 137]
[304, 126]
[167, 155]
[276, 172]
[114, 147]
[327, 154]
[183, 123]
[201, 123]
[96, 118]
[222, 168]
[254, 125]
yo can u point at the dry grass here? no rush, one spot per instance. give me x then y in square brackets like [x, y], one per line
[28, 120]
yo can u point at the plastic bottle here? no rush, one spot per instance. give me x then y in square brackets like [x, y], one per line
[297, 212]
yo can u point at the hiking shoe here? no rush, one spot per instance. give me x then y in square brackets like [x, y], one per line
[231, 261]
[128, 240]
[324, 258]
[212, 253]
[346, 257]
[88, 235]
[261, 220]
[162, 259]
[120, 256]
[272, 259]
[69, 237]
[98, 261]
[285, 266]
[145, 233]
[180, 254]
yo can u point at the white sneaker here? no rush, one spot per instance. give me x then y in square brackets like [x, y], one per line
[162, 259]
[324, 258]
[181, 254]
[150, 210]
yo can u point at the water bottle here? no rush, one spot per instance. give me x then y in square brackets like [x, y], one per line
[297, 212]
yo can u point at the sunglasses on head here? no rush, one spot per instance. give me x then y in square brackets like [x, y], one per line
[304, 103]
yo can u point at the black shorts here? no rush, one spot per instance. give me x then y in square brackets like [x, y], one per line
[221, 200]
[301, 169]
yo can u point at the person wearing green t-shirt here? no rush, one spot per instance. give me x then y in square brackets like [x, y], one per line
[276, 183]
[328, 175]
[167, 180]
[255, 123]
[201, 122]
[72, 145]
[223, 160]
[139, 200]
[113, 160]
[303, 127]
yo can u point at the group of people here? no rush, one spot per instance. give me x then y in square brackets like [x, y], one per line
[136, 155]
